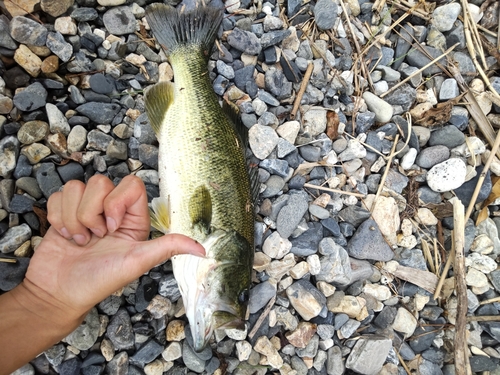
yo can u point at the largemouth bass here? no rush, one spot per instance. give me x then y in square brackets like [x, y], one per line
[205, 189]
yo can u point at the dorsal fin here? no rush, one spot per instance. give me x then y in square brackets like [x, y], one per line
[158, 98]
[233, 113]
[200, 209]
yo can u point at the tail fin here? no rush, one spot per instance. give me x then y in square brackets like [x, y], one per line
[174, 28]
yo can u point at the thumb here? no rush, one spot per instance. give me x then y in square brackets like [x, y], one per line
[148, 254]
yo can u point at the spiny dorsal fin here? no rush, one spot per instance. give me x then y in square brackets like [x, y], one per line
[159, 212]
[233, 113]
[200, 209]
[158, 98]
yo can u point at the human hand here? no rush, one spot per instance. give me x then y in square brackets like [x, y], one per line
[96, 244]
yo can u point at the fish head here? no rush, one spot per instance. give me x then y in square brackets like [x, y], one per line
[223, 295]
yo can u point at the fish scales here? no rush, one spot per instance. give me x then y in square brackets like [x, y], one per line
[205, 189]
[199, 146]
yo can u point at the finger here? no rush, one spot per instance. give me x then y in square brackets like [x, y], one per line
[148, 254]
[71, 197]
[129, 197]
[91, 208]
[54, 214]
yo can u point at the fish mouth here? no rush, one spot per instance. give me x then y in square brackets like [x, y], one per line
[206, 321]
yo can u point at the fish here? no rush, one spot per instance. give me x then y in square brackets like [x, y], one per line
[207, 191]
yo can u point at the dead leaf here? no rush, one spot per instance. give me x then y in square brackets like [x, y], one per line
[495, 193]
[332, 125]
[441, 210]
[42, 218]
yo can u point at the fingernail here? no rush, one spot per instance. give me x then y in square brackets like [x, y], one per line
[80, 239]
[64, 232]
[111, 223]
[99, 233]
[200, 251]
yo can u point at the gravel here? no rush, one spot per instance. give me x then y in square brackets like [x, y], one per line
[72, 105]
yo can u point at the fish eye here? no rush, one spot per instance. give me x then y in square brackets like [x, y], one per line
[244, 296]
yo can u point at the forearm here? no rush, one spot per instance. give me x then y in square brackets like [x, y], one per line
[29, 324]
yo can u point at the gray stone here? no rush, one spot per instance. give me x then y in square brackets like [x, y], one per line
[59, 47]
[71, 171]
[14, 237]
[6, 40]
[32, 131]
[30, 186]
[307, 243]
[449, 89]
[369, 355]
[335, 265]
[354, 215]
[120, 332]
[419, 60]
[274, 185]
[119, 20]
[100, 113]
[9, 151]
[190, 359]
[368, 243]
[27, 31]
[290, 215]
[448, 136]
[86, 334]
[325, 14]
[147, 353]
[32, 97]
[12, 274]
[118, 365]
[97, 140]
[430, 156]
[57, 121]
[335, 364]
[21, 204]
[244, 41]
[260, 295]
[445, 16]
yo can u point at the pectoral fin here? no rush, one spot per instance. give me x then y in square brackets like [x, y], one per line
[200, 209]
[158, 99]
[159, 212]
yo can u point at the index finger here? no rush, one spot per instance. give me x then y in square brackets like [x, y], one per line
[126, 206]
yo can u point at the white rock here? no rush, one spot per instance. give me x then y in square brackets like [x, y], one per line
[481, 263]
[354, 150]
[65, 25]
[172, 352]
[475, 13]
[314, 264]
[289, 131]
[404, 322]
[482, 244]
[473, 146]
[262, 140]
[476, 278]
[379, 292]
[275, 246]
[447, 175]
[314, 121]
[408, 242]
[409, 158]
[406, 227]
[57, 121]
[236, 334]
[243, 350]
[154, 368]
[425, 216]
[386, 215]
[383, 110]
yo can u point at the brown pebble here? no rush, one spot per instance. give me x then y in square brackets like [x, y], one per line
[50, 64]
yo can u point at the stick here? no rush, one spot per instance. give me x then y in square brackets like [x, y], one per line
[8, 260]
[405, 366]
[262, 316]
[491, 300]
[484, 318]
[419, 71]
[386, 171]
[359, 195]
[477, 114]
[460, 341]
[444, 273]
[302, 90]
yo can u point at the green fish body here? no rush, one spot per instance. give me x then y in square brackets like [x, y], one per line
[205, 189]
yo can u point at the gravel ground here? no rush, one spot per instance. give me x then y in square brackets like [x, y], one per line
[354, 218]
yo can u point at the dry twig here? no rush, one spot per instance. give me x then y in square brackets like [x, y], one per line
[311, 186]
[462, 366]
[262, 317]
[302, 90]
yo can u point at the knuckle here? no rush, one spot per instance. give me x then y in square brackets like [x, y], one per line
[99, 181]
[74, 184]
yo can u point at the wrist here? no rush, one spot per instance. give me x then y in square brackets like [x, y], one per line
[45, 309]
